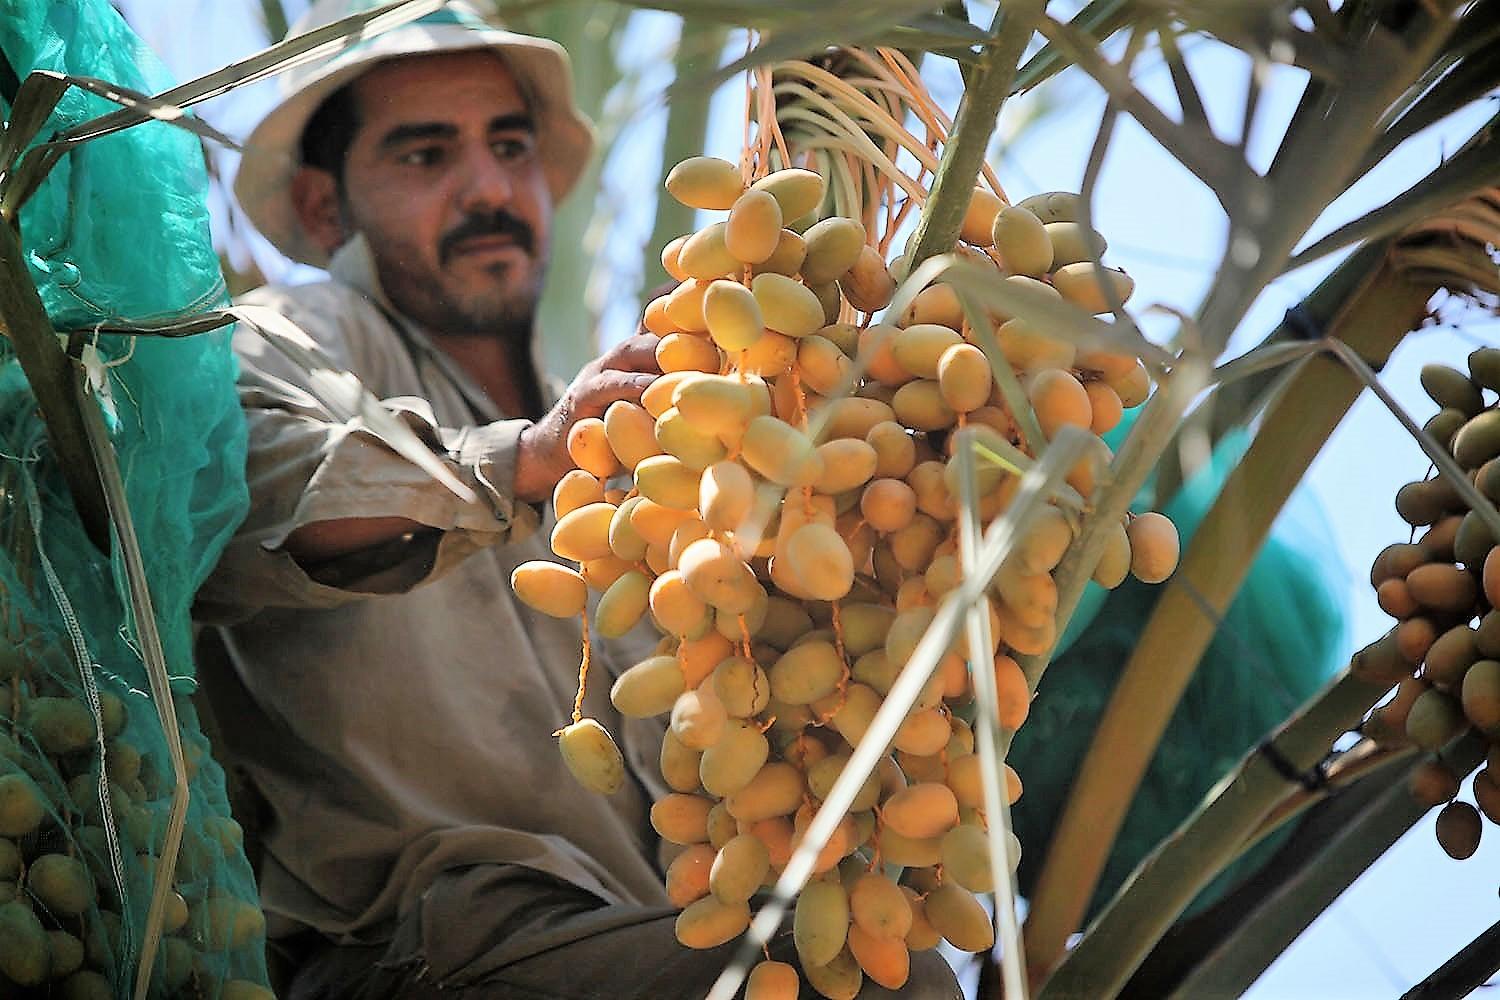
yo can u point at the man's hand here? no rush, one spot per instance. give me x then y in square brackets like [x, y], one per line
[623, 373]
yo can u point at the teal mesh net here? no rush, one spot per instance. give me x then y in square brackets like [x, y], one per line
[1281, 639]
[117, 233]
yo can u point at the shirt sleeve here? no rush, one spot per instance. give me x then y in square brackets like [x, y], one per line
[304, 466]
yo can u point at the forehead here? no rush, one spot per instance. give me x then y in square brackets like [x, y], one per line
[444, 87]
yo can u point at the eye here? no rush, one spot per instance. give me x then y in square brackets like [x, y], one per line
[421, 156]
[513, 147]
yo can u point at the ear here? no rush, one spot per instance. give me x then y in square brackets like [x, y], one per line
[315, 197]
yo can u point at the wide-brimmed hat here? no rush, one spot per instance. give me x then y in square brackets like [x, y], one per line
[272, 154]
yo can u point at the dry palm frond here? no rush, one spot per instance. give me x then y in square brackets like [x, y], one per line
[1458, 249]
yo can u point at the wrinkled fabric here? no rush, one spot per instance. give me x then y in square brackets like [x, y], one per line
[399, 724]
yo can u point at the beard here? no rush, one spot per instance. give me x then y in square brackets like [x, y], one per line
[498, 301]
[506, 312]
[504, 308]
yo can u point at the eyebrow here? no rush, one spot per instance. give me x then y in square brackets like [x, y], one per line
[402, 134]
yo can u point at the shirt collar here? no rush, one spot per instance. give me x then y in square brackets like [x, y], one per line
[354, 265]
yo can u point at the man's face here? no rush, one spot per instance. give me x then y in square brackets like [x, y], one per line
[443, 179]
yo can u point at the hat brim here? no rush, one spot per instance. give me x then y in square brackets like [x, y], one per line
[272, 153]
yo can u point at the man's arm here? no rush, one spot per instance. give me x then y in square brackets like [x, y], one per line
[540, 455]
[307, 471]
[324, 540]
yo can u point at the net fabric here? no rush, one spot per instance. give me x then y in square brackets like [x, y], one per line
[1282, 638]
[118, 232]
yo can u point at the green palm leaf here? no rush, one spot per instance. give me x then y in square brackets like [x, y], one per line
[1100, 20]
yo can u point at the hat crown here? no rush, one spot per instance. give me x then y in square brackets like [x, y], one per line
[453, 13]
[323, 12]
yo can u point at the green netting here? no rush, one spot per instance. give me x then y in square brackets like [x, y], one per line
[119, 231]
[1281, 639]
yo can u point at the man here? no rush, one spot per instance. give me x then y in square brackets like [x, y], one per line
[382, 689]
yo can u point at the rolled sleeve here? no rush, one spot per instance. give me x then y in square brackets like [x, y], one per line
[487, 454]
[359, 475]
[306, 467]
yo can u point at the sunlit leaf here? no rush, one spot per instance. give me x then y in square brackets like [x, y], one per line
[152, 107]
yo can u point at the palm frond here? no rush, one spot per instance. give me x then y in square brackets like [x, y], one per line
[1465, 973]
[1224, 950]
[34, 101]
[1391, 302]
[169, 105]
[307, 47]
[20, 183]
[1476, 168]
[1099, 20]
[1261, 27]
[687, 127]
[1467, 81]
[273, 14]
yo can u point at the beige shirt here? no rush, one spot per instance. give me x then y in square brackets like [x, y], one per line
[401, 723]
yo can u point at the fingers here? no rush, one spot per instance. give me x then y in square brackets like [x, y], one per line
[591, 396]
[543, 452]
[633, 354]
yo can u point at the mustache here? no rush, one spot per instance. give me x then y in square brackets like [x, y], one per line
[493, 224]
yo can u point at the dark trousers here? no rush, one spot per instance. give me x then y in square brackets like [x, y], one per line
[489, 932]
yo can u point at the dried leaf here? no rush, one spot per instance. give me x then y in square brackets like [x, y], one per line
[34, 102]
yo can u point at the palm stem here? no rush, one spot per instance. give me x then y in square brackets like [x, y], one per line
[1164, 884]
[1186, 618]
[978, 111]
[1225, 949]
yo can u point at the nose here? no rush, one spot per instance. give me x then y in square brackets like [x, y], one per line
[485, 181]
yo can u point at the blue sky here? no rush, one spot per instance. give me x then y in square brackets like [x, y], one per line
[1416, 906]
